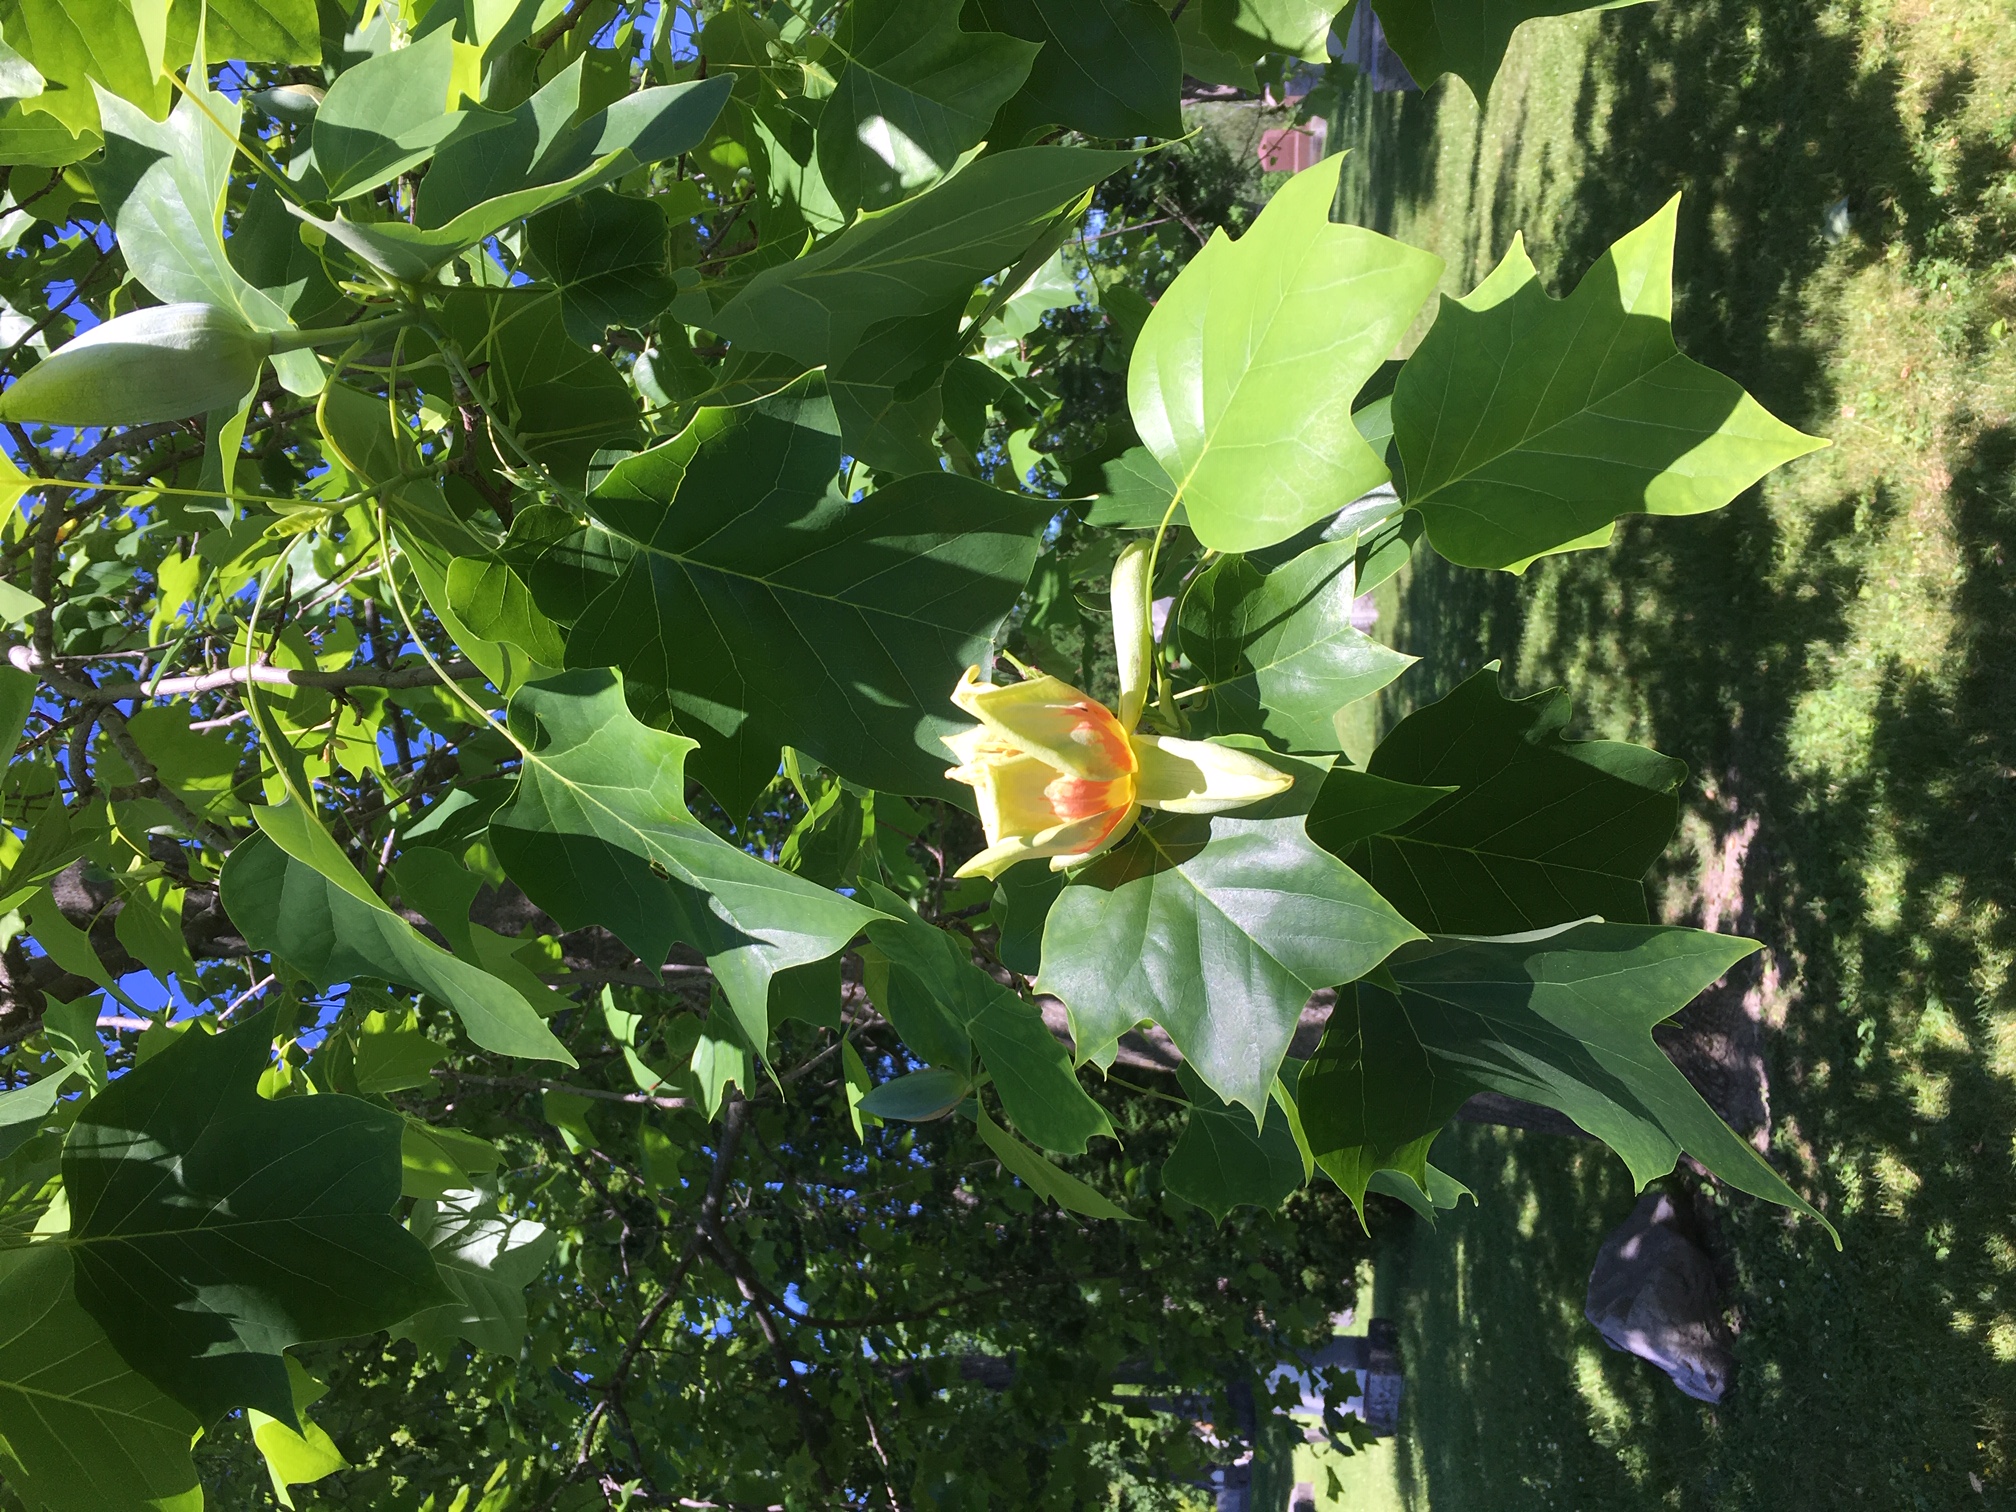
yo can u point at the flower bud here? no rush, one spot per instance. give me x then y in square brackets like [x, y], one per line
[168, 362]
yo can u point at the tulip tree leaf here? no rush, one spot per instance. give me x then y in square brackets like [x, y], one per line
[918, 90]
[302, 901]
[526, 162]
[387, 114]
[1044, 1177]
[1249, 29]
[1529, 425]
[163, 185]
[487, 1258]
[597, 832]
[213, 1228]
[1221, 1161]
[80, 1429]
[1242, 380]
[1031, 1071]
[605, 254]
[1540, 830]
[924, 254]
[1217, 928]
[1465, 37]
[1108, 68]
[777, 613]
[1276, 651]
[1562, 1018]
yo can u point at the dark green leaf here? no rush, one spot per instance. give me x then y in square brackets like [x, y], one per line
[605, 253]
[1541, 830]
[922, 255]
[212, 1229]
[294, 899]
[916, 92]
[1222, 1161]
[1562, 1018]
[1354, 806]
[1464, 37]
[1108, 68]
[778, 613]
[917, 1096]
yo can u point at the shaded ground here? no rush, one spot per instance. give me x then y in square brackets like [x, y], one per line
[1835, 656]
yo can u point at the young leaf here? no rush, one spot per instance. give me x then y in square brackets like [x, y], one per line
[776, 612]
[1218, 929]
[1529, 425]
[1540, 830]
[212, 1228]
[80, 1430]
[1563, 1018]
[296, 1458]
[1276, 652]
[390, 113]
[1108, 68]
[597, 832]
[1242, 381]
[918, 90]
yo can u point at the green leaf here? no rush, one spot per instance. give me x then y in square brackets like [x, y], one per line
[1465, 37]
[264, 31]
[296, 1458]
[212, 1229]
[924, 254]
[1276, 652]
[1137, 493]
[776, 612]
[525, 162]
[562, 403]
[917, 1096]
[1529, 425]
[1242, 380]
[163, 185]
[1354, 806]
[1217, 928]
[24, 1110]
[1031, 1071]
[1441, 1193]
[80, 1430]
[1562, 1018]
[1108, 68]
[597, 832]
[294, 894]
[917, 92]
[1044, 1177]
[1250, 29]
[487, 1257]
[17, 690]
[390, 113]
[1222, 1162]
[74, 46]
[606, 255]
[1540, 830]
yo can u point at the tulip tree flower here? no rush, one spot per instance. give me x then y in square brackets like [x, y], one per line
[1059, 774]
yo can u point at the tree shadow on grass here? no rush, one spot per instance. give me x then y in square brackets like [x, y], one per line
[1882, 875]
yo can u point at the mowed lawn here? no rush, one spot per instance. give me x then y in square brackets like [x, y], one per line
[1835, 657]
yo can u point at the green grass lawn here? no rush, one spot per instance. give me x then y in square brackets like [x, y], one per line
[1835, 657]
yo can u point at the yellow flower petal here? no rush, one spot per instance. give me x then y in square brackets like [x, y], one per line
[1047, 717]
[1196, 777]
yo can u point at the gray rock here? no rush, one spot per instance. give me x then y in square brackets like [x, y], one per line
[1652, 1293]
